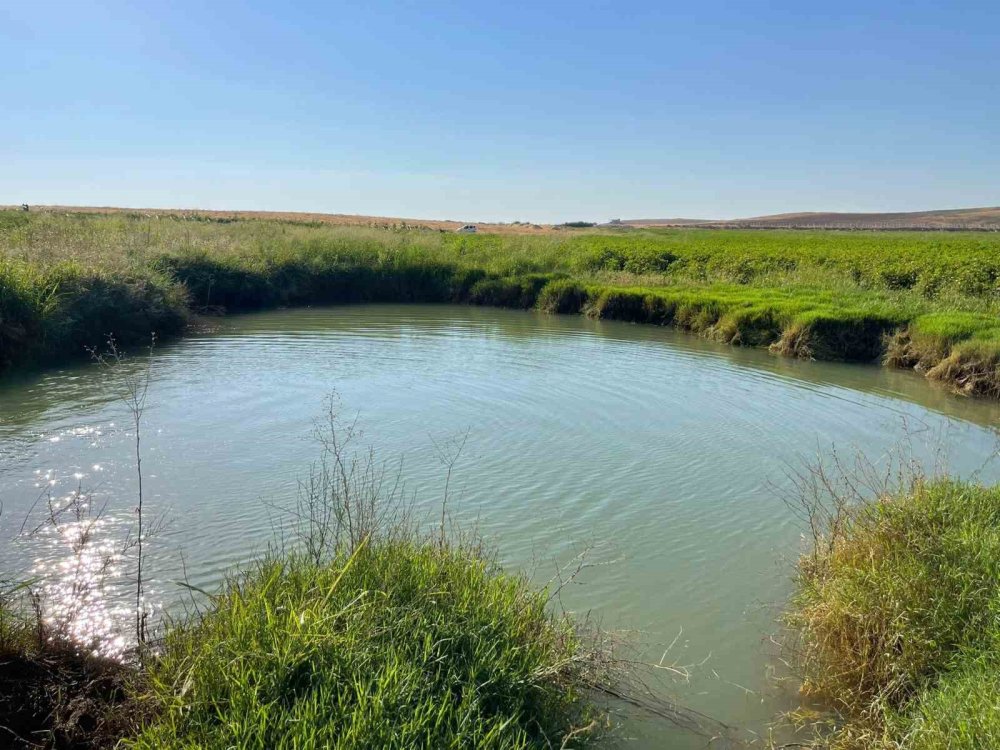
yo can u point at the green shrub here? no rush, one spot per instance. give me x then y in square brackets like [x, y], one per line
[633, 259]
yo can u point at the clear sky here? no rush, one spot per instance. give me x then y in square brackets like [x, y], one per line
[544, 111]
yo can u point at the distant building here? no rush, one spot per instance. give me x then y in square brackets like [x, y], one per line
[615, 221]
[467, 229]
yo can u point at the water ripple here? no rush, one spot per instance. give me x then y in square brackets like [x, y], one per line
[658, 449]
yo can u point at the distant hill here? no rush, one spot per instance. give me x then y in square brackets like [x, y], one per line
[666, 222]
[983, 219]
[954, 219]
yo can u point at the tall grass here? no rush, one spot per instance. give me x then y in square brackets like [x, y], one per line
[366, 632]
[362, 628]
[395, 644]
[921, 300]
[898, 603]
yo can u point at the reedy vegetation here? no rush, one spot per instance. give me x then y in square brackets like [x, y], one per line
[897, 603]
[910, 299]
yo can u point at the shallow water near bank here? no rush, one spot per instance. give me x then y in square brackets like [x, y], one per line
[662, 453]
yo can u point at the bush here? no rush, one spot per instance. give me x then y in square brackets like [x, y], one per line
[898, 604]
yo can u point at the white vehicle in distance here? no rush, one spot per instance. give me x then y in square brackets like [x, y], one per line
[467, 229]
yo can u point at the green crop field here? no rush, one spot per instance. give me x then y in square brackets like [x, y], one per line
[923, 300]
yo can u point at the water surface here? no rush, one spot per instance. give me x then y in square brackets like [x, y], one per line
[662, 453]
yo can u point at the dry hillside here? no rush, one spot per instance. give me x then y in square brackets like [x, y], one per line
[962, 218]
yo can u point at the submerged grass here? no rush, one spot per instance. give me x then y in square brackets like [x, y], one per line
[922, 300]
[899, 606]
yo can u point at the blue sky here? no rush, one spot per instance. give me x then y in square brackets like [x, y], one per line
[536, 111]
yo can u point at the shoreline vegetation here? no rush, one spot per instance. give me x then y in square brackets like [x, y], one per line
[370, 630]
[398, 643]
[363, 627]
[910, 300]
[895, 611]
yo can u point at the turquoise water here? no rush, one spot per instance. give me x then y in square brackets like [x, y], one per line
[661, 456]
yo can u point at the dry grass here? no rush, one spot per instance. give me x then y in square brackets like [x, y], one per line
[963, 219]
[896, 603]
[56, 694]
[301, 217]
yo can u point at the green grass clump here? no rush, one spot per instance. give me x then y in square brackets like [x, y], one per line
[397, 645]
[67, 309]
[899, 606]
[563, 296]
[962, 713]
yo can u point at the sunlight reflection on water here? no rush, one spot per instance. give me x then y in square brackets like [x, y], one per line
[79, 570]
[662, 450]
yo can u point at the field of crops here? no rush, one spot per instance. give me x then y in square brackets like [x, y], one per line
[923, 300]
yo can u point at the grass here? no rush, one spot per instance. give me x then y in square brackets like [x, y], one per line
[360, 631]
[397, 645]
[922, 300]
[899, 606]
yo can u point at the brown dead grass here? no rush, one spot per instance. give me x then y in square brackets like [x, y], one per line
[376, 222]
[56, 695]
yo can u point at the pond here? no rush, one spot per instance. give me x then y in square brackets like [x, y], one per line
[661, 456]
